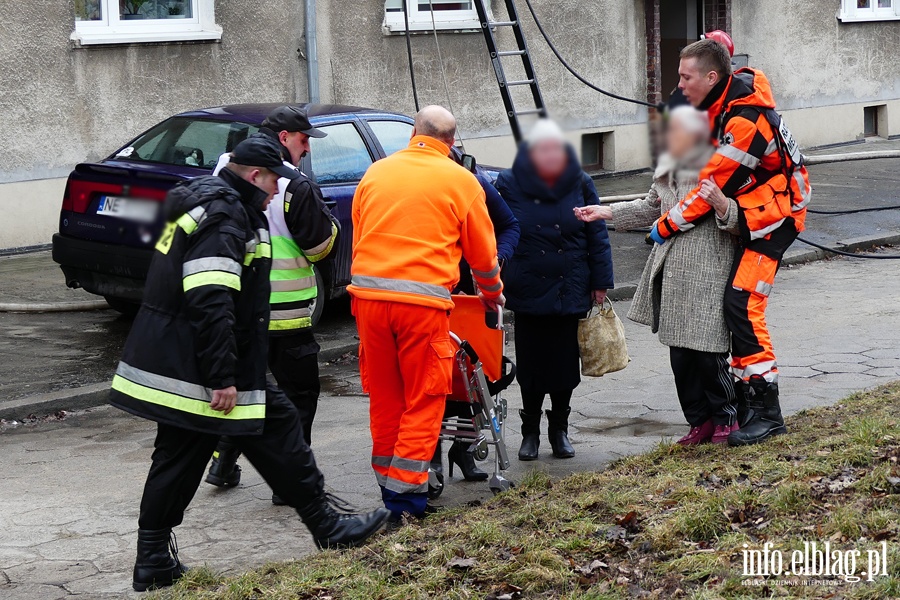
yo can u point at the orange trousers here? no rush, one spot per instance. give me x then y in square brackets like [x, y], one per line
[746, 299]
[406, 360]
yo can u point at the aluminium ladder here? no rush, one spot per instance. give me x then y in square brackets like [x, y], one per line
[506, 85]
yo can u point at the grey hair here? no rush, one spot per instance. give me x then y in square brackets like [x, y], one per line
[693, 120]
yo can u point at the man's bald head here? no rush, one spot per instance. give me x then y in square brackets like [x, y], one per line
[437, 122]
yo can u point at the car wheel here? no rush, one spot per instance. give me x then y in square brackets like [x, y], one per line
[129, 308]
[318, 305]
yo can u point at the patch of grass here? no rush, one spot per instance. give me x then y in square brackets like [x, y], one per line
[671, 523]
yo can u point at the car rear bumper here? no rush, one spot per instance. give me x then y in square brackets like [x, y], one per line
[103, 269]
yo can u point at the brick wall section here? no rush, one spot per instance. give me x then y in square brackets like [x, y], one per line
[654, 73]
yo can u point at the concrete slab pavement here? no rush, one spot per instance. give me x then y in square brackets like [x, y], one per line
[70, 488]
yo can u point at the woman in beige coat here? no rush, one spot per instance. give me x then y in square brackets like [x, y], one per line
[680, 294]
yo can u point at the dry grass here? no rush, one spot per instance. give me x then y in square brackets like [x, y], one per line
[666, 524]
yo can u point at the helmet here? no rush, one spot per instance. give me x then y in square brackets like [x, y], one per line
[721, 37]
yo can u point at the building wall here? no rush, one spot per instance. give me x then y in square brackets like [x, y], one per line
[604, 41]
[63, 105]
[823, 72]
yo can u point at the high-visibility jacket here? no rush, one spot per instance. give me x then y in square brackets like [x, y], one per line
[757, 162]
[303, 232]
[416, 213]
[203, 324]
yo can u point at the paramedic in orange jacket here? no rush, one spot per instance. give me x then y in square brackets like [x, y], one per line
[757, 163]
[415, 215]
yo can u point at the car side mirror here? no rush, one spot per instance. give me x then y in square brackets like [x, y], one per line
[468, 161]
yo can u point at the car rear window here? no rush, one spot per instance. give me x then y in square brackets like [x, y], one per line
[187, 142]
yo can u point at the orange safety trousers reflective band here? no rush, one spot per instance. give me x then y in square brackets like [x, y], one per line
[746, 300]
[406, 360]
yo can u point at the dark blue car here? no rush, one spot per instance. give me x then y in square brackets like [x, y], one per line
[111, 218]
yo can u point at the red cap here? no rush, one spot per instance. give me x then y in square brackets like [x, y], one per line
[721, 37]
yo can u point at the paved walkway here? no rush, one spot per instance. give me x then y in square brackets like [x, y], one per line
[68, 503]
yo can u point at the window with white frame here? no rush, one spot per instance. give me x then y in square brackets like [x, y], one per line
[426, 15]
[869, 10]
[135, 21]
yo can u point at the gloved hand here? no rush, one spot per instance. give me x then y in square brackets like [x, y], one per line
[655, 236]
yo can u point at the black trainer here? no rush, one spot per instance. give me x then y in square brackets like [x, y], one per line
[333, 523]
[763, 414]
[157, 563]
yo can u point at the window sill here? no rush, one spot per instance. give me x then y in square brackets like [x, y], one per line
[91, 38]
[866, 18]
[392, 27]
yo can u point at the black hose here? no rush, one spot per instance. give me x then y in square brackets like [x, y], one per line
[660, 107]
[412, 71]
[851, 211]
[850, 254]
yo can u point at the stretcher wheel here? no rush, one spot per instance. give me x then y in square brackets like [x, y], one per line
[481, 450]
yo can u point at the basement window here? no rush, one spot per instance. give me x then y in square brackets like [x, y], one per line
[136, 21]
[596, 151]
[430, 15]
[855, 11]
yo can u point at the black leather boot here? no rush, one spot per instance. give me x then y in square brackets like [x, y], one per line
[224, 471]
[764, 414]
[436, 473]
[531, 435]
[155, 566]
[558, 432]
[333, 523]
[462, 457]
[742, 393]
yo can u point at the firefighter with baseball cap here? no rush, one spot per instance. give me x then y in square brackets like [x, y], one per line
[415, 215]
[758, 163]
[303, 232]
[195, 362]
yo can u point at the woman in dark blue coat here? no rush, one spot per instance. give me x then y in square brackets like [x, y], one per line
[560, 267]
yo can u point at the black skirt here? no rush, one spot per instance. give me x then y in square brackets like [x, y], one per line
[547, 355]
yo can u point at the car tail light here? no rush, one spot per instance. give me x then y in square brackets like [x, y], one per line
[79, 193]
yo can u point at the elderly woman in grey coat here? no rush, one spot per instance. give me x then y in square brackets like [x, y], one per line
[681, 291]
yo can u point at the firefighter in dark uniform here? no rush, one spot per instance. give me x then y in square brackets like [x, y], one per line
[303, 232]
[195, 362]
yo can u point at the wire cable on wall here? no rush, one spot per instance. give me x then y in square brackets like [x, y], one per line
[437, 44]
[412, 71]
[660, 107]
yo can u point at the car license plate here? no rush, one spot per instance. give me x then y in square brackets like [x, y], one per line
[133, 209]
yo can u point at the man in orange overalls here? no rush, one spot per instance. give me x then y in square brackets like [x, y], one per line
[758, 163]
[415, 215]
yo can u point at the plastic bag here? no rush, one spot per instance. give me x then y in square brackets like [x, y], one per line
[601, 340]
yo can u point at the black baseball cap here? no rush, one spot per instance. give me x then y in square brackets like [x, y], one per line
[260, 151]
[292, 118]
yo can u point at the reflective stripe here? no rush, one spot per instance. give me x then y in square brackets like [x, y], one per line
[293, 285]
[739, 156]
[767, 370]
[229, 280]
[487, 275]
[492, 288]
[322, 250]
[401, 487]
[187, 405]
[408, 464]
[382, 461]
[764, 288]
[297, 313]
[263, 235]
[286, 264]
[772, 147]
[761, 233]
[805, 191]
[289, 324]
[216, 263]
[190, 220]
[677, 218]
[185, 389]
[400, 285]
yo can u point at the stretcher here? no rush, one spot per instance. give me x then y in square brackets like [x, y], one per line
[476, 409]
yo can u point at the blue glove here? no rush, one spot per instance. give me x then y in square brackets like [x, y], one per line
[654, 235]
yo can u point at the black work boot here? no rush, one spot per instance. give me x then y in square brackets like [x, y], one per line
[155, 566]
[224, 471]
[742, 394]
[531, 435]
[334, 525]
[436, 473]
[558, 432]
[764, 414]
